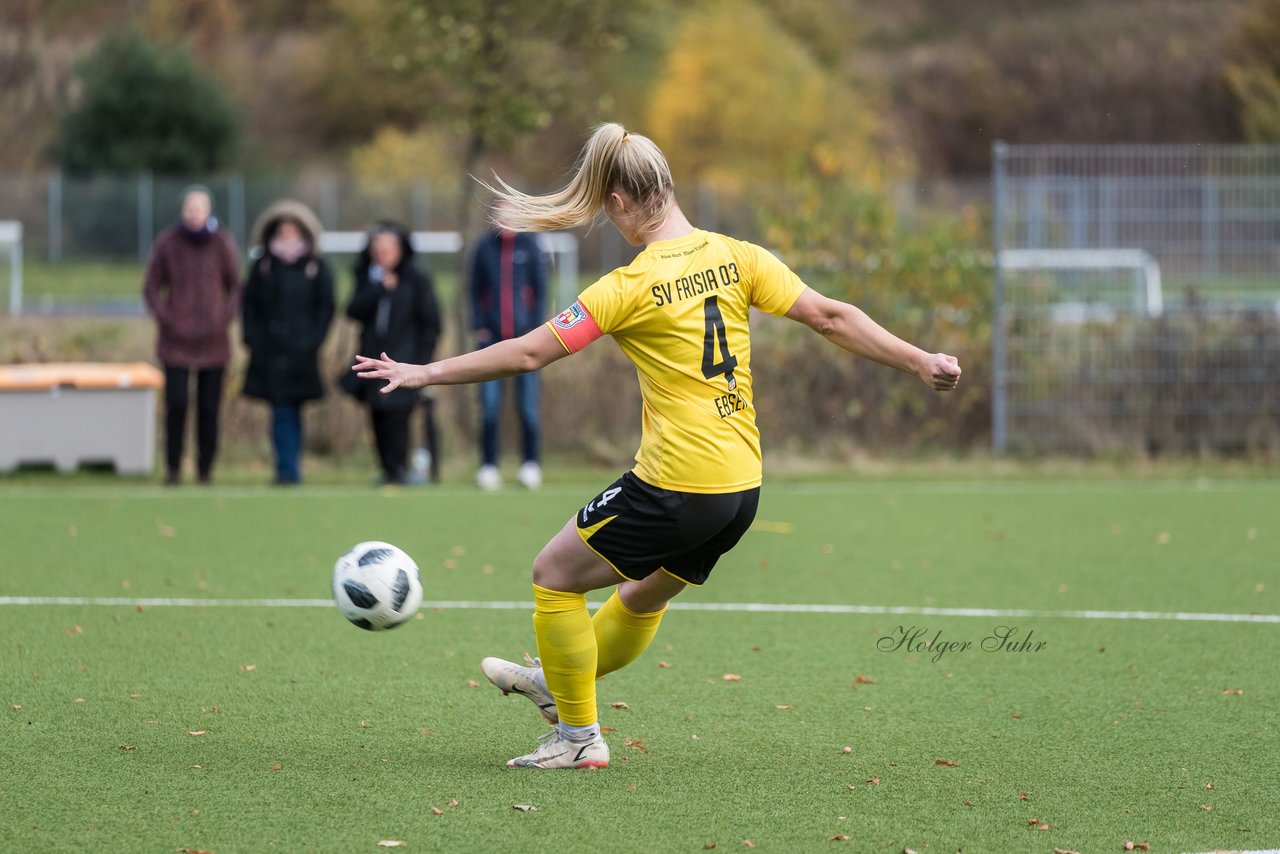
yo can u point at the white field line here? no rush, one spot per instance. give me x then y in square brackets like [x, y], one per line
[730, 607]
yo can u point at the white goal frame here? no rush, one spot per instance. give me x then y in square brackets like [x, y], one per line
[1148, 299]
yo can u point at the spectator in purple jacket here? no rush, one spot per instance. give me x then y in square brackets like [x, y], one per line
[192, 288]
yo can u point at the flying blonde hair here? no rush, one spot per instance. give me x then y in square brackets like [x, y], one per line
[612, 159]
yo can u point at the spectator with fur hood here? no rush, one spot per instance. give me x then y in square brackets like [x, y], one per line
[288, 306]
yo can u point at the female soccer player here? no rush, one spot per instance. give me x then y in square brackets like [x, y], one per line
[680, 313]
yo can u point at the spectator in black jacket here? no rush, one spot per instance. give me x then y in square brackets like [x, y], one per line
[396, 304]
[508, 292]
[288, 306]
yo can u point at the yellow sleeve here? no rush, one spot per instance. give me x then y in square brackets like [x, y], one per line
[774, 288]
[607, 302]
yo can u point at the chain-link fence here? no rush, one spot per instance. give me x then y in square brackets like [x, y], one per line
[1137, 298]
[108, 223]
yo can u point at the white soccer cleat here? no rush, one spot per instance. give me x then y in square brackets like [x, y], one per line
[530, 475]
[513, 678]
[489, 478]
[557, 751]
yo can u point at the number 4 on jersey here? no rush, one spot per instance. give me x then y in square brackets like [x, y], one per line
[716, 335]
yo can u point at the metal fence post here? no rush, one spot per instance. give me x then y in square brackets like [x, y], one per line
[235, 209]
[55, 217]
[999, 433]
[146, 218]
[1211, 221]
[420, 205]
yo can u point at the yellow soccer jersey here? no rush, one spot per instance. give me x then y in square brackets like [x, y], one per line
[680, 314]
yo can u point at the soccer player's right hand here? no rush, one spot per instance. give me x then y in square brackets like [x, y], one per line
[941, 372]
[397, 374]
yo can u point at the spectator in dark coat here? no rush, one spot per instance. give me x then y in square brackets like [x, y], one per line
[288, 306]
[395, 303]
[508, 291]
[192, 288]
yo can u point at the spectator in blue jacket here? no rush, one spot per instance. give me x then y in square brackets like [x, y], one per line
[508, 294]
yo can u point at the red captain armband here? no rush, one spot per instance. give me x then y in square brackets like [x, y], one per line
[575, 327]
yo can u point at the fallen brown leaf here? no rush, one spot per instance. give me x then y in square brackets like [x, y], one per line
[453, 802]
[135, 696]
[840, 837]
[637, 743]
[863, 680]
[1136, 846]
[392, 843]
[248, 668]
[437, 811]
[710, 846]
[846, 749]
[75, 630]
[1043, 827]
[128, 747]
[946, 762]
[732, 677]
[908, 851]
[276, 767]
[619, 705]
[471, 683]
[1016, 716]
[875, 780]
[749, 843]
[524, 807]
[1023, 796]
[1064, 851]
[16, 706]
[1033, 821]
[193, 851]
[664, 664]
[1209, 786]
[784, 708]
[1206, 807]
[1232, 691]
[197, 732]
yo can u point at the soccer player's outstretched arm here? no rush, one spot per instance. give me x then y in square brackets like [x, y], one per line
[848, 327]
[530, 352]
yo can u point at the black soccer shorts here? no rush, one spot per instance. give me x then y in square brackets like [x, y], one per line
[639, 528]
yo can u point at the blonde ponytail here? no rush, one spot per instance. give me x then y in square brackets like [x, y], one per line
[612, 159]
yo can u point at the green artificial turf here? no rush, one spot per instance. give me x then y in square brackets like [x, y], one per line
[320, 737]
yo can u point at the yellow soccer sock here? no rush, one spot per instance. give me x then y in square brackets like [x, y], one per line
[567, 647]
[621, 634]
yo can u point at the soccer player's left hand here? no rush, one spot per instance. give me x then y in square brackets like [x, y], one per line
[941, 372]
[397, 374]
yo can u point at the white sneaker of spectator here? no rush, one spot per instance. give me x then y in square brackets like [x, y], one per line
[530, 475]
[489, 478]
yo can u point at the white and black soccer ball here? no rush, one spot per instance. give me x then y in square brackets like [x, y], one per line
[377, 586]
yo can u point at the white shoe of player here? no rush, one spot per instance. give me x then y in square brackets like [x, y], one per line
[557, 751]
[513, 678]
[489, 478]
[530, 475]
